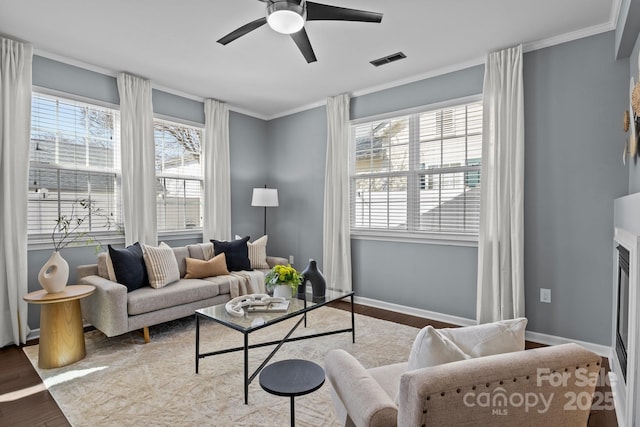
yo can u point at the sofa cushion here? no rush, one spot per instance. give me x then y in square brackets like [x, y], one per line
[199, 269]
[388, 376]
[162, 266]
[489, 338]
[184, 291]
[181, 253]
[129, 266]
[236, 252]
[203, 251]
[430, 348]
[257, 252]
[223, 283]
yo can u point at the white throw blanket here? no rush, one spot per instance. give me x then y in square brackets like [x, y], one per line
[250, 283]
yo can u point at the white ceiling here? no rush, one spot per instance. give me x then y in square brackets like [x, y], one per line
[173, 42]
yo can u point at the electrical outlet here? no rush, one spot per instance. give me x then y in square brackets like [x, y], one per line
[545, 295]
[291, 259]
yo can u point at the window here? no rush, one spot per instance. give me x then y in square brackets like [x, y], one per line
[178, 176]
[74, 154]
[418, 173]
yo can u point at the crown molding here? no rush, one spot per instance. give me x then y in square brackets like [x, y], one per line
[567, 37]
[527, 47]
[112, 73]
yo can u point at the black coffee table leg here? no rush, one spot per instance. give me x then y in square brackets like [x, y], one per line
[293, 413]
[246, 368]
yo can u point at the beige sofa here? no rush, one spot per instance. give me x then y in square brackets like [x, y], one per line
[542, 387]
[114, 311]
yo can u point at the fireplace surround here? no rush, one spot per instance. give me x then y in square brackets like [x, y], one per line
[624, 346]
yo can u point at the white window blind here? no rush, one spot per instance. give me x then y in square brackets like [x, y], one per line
[178, 176]
[418, 173]
[74, 155]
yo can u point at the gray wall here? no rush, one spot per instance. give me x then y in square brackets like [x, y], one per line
[574, 97]
[297, 152]
[249, 162]
[247, 147]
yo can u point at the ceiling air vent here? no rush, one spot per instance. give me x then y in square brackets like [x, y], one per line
[388, 59]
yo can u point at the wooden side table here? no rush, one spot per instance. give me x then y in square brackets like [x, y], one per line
[61, 332]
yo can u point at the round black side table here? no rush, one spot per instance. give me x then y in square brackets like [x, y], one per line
[292, 377]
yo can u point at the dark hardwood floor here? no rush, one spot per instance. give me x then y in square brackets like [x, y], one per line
[25, 402]
[23, 399]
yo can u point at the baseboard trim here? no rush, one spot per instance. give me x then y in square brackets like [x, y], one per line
[440, 317]
[34, 334]
[600, 350]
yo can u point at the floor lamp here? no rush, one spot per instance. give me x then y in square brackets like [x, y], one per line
[266, 198]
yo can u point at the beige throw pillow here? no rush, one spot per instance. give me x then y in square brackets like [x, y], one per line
[199, 269]
[430, 348]
[257, 252]
[110, 271]
[489, 338]
[161, 263]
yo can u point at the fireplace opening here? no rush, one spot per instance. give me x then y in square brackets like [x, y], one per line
[622, 324]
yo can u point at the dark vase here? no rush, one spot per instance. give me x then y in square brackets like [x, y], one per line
[314, 276]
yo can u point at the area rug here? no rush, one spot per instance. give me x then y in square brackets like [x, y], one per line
[124, 382]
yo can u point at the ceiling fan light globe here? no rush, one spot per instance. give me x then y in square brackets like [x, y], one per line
[285, 17]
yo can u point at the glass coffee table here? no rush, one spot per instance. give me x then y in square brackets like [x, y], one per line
[251, 322]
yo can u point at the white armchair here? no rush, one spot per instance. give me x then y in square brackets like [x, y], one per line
[532, 387]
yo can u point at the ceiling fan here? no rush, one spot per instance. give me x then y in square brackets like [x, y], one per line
[289, 16]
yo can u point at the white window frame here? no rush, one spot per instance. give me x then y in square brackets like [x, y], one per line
[409, 236]
[42, 241]
[195, 232]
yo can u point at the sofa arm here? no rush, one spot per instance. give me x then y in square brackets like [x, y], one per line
[276, 260]
[366, 402]
[86, 270]
[106, 308]
[531, 387]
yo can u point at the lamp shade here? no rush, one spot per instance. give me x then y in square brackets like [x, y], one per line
[266, 197]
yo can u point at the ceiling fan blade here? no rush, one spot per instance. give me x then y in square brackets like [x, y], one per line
[247, 28]
[325, 12]
[303, 43]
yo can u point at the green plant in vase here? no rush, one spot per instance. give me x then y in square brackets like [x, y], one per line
[283, 275]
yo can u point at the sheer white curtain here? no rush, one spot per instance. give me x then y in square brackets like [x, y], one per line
[15, 127]
[216, 222]
[138, 160]
[501, 240]
[336, 250]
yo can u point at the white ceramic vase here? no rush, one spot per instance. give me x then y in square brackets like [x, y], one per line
[283, 291]
[54, 274]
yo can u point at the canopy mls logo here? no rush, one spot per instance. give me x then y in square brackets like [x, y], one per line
[573, 384]
[500, 401]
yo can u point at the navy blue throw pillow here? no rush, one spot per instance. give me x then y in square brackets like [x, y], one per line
[129, 266]
[236, 253]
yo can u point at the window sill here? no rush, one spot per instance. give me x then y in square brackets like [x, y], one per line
[414, 237]
[37, 244]
[44, 243]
